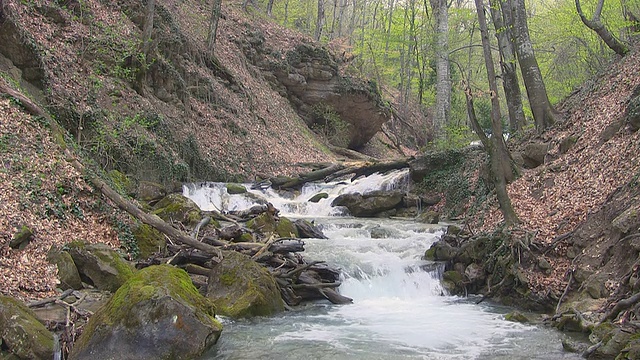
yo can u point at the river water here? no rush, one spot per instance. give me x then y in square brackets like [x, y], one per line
[400, 311]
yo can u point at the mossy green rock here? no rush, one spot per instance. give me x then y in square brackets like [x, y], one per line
[121, 181]
[429, 217]
[149, 240]
[150, 191]
[22, 238]
[233, 188]
[516, 316]
[67, 271]
[286, 228]
[264, 223]
[100, 265]
[177, 208]
[240, 288]
[317, 197]
[21, 333]
[156, 314]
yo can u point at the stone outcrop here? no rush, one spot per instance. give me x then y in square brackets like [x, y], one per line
[21, 334]
[309, 76]
[157, 314]
[240, 288]
[177, 208]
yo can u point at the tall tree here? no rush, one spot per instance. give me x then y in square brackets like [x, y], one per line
[320, 20]
[513, 96]
[596, 25]
[270, 7]
[216, 6]
[543, 113]
[440, 9]
[501, 164]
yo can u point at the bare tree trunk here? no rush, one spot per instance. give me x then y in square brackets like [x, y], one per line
[270, 7]
[596, 25]
[508, 66]
[320, 20]
[543, 113]
[501, 167]
[388, 30]
[443, 77]
[213, 24]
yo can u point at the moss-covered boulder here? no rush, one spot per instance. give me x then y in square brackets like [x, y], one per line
[429, 217]
[149, 240]
[67, 271]
[517, 316]
[286, 228]
[100, 265]
[240, 288]
[150, 192]
[264, 223]
[157, 314]
[233, 188]
[177, 208]
[21, 238]
[440, 251]
[21, 334]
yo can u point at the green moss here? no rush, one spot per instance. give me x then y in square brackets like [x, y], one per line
[317, 197]
[178, 208]
[430, 254]
[120, 181]
[246, 237]
[149, 240]
[263, 223]
[286, 228]
[516, 316]
[233, 188]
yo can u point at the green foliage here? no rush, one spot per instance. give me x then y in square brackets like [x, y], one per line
[328, 124]
[456, 137]
[126, 237]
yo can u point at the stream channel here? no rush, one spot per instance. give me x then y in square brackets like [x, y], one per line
[400, 310]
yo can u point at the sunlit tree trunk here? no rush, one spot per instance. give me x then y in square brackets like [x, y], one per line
[501, 164]
[543, 113]
[213, 24]
[270, 7]
[509, 68]
[596, 25]
[388, 30]
[443, 77]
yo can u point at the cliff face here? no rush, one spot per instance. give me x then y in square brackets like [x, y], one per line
[179, 114]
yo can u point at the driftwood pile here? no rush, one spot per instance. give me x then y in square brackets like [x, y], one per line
[298, 279]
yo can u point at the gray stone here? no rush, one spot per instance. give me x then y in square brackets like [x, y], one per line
[100, 265]
[370, 204]
[533, 154]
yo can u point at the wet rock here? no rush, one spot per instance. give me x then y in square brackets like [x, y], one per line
[516, 316]
[235, 189]
[317, 197]
[369, 204]
[307, 229]
[241, 288]
[157, 314]
[100, 265]
[429, 217]
[440, 251]
[21, 334]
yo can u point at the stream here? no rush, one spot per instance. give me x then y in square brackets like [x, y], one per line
[400, 310]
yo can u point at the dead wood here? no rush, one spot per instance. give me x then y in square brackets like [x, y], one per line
[335, 298]
[197, 269]
[620, 306]
[366, 169]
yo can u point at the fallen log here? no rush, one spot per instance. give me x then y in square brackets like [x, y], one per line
[311, 176]
[367, 169]
[335, 297]
[124, 204]
[286, 246]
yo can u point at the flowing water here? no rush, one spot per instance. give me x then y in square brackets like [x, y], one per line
[400, 311]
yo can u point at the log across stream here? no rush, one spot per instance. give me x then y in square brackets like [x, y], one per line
[399, 309]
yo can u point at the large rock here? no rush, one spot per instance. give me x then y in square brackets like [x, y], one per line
[431, 162]
[67, 271]
[157, 314]
[240, 287]
[21, 334]
[368, 204]
[149, 240]
[177, 208]
[100, 265]
[310, 75]
[533, 154]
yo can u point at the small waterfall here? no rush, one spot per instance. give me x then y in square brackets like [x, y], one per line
[57, 351]
[214, 196]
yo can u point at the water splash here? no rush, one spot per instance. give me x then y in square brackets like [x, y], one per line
[214, 196]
